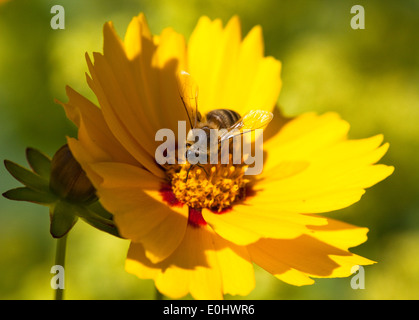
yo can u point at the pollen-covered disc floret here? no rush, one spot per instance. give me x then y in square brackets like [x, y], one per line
[215, 187]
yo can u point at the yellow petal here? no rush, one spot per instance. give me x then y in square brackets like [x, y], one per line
[347, 265]
[235, 267]
[340, 234]
[137, 200]
[154, 65]
[300, 138]
[311, 167]
[322, 254]
[117, 76]
[112, 101]
[295, 261]
[250, 56]
[232, 73]
[204, 265]
[247, 224]
[140, 50]
[216, 91]
[138, 38]
[126, 79]
[169, 60]
[266, 86]
[319, 189]
[94, 134]
[293, 276]
[304, 254]
[319, 203]
[343, 236]
[201, 46]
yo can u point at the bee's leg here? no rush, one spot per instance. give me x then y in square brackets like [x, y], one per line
[187, 173]
[203, 169]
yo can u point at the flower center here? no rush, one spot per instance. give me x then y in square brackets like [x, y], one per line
[215, 187]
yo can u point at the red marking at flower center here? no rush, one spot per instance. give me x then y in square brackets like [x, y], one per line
[195, 217]
[169, 197]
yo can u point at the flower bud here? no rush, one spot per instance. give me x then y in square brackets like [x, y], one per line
[68, 180]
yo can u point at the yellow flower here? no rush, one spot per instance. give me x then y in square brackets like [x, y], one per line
[201, 236]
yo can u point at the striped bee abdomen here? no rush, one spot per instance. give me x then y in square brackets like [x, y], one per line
[222, 118]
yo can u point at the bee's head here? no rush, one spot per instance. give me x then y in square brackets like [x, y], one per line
[193, 151]
[196, 146]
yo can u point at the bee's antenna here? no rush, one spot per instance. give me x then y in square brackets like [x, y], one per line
[186, 109]
[187, 173]
[203, 169]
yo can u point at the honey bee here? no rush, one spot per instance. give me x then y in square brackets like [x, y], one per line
[229, 122]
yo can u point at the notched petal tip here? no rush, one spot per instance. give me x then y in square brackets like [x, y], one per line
[108, 26]
[234, 22]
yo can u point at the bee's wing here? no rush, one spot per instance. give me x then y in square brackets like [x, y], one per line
[188, 91]
[254, 119]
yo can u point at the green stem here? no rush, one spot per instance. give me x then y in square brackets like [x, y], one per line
[60, 260]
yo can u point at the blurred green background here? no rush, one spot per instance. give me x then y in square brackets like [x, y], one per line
[370, 77]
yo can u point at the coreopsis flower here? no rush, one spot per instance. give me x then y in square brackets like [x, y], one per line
[200, 231]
